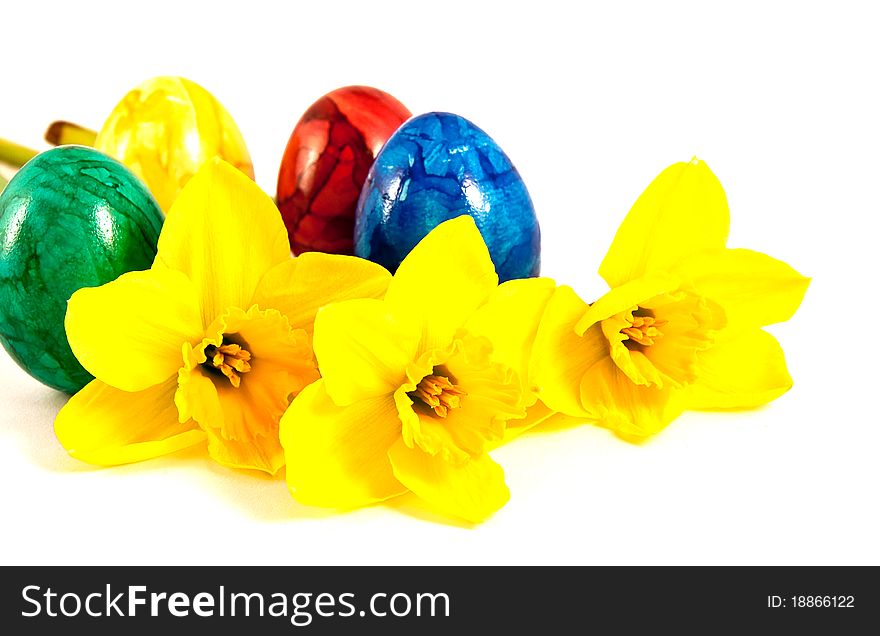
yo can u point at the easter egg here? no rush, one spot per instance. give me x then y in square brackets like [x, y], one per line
[326, 162]
[436, 167]
[70, 218]
[165, 129]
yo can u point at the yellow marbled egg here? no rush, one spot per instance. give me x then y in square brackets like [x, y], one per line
[165, 129]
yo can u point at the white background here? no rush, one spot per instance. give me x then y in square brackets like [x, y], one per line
[590, 103]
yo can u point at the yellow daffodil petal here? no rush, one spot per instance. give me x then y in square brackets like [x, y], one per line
[432, 435]
[690, 325]
[754, 289]
[490, 396]
[256, 450]
[411, 422]
[537, 415]
[337, 457]
[224, 233]
[559, 422]
[263, 454]
[626, 297]
[687, 323]
[242, 421]
[510, 319]
[683, 211]
[560, 357]
[105, 426]
[363, 349]
[443, 280]
[743, 372]
[631, 410]
[472, 490]
[493, 397]
[128, 333]
[300, 286]
[635, 364]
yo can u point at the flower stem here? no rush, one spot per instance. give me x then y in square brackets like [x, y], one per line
[61, 133]
[14, 154]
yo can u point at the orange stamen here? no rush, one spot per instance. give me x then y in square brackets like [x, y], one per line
[439, 394]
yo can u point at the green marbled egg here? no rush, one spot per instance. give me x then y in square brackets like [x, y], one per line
[72, 217]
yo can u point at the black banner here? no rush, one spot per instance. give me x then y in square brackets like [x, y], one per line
[388, 600]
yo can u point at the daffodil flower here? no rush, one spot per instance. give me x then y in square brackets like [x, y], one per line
[211, 342]
[681, 326]
[410, 398]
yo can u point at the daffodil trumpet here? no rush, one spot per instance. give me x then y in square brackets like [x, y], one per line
[682, 325]
[212, 342]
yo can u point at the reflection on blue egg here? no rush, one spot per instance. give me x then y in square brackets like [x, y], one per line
[436, 167]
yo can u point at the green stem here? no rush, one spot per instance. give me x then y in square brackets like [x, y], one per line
[61, 133]
[14, 154]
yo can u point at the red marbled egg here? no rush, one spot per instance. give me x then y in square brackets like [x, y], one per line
[326, 162]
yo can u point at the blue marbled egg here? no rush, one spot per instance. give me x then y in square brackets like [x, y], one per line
[436, 167]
